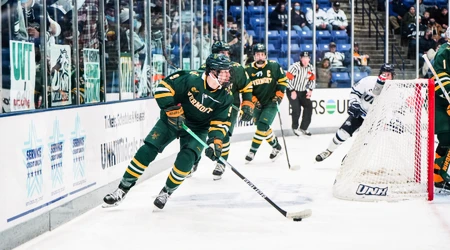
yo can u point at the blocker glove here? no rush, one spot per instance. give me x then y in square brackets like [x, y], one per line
[175, 117]
[247, 109]
[278, 97]
[355, 110]
[214, 151]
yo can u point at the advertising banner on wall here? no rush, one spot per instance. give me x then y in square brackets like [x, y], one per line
[23, 75]
[50, 158]
[91, 75]
[60, 75]
[126, 77]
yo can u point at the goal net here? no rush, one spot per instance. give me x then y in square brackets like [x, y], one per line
[392, 156]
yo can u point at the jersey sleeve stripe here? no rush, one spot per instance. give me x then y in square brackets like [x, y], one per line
[218, 129]
[356, 92]
[284, 79]
[220, 123]
[163, 95]
[162, 89]
[168, 87]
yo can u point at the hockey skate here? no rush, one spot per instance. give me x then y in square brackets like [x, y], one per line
[322, 156]
[194, 168]
[296, 132]
[305, 132]
[115, 198]
[218, 171]
[276, 151]
[442, 188]
[162, 198]
[249, 157]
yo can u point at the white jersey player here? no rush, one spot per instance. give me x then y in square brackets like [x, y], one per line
[361, 97]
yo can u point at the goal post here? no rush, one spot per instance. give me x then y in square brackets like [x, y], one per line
[392, 155]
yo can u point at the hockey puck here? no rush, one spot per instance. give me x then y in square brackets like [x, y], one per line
[297, 219]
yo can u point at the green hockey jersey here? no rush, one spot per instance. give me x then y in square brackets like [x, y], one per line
[240, 83]
[203, 108]
[442, 67]
[266, 80]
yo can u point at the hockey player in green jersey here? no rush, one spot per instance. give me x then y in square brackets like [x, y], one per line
[239, 84]
[195, 98]
[269, 84]
[442, 117]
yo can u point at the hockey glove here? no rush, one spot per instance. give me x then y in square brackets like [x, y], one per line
[175, 117]
[278, 97]
[355, 110]
[256, 102]
[247, 109]
[214, 151]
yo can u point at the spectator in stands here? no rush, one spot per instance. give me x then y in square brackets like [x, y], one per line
[396, 12]
[360, 60]
[409, 17]
[188, 46]
[278, 18]
[336, 58]
[219, 18]
[426, 43]
[412, 37]
[442, 18]
[298, 19]
[426, 18]
[337, 17]
[321, 19]
[422, 7]
[323, 73]
[436, 29]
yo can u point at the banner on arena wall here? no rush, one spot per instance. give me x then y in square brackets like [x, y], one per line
[23, 75]
[329, 111]
[50, 158]
[91, 59]
[187, 63]
[126, 77]
[60, 75]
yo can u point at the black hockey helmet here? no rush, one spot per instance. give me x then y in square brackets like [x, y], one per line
[259, 47]
[219, 46]
[387, 68]
[217, 62]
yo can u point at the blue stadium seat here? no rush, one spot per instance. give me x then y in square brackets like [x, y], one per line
[274, 38]
[284, 62]
[323, 47]
[323, 36]
[339, 36]
[409, 2]
[295, 49]
[251, 32]
[294, 37]
[357, 76]
[236, 11]
[305, 7]
[305, 37]
[441, 3]
[429, 2]
[341, 79]
[323, 2]
[257, 22]
[255, 10]
[272, 51]
[343, 47]
[271, 8]
[306, 47]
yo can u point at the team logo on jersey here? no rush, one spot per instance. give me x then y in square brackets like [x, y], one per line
[155, 136]
[194, 90]
[259, 74]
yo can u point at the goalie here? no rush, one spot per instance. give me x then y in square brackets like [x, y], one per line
[361, 97]
[442, 117]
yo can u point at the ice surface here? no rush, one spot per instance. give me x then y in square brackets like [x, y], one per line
[227, 214]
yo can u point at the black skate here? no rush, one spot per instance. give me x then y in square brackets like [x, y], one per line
[162, 198]
[194, 168]
[115, 198]
[276, 151]
[249, 157]
[218, 171]
[322, 156]
[442, 188]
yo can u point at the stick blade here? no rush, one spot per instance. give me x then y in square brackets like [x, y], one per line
[298, 216]
[295, 167]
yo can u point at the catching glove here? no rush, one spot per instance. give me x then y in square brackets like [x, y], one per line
[175, 117]
[278, 97]
[214, 151]
[247, 109]
[355, 110]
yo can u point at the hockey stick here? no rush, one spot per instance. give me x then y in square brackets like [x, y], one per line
[296, 216]
[437, 77]
[282, 134]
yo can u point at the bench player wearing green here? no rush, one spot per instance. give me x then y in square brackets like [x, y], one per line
[239, 84]
[199, 100]
[269, 84]
[442, 117]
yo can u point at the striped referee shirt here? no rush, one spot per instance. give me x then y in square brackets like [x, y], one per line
[304, 77]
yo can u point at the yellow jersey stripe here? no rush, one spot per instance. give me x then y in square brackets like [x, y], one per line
[163, 95]
[133, 173]
[179, 171]
[219, 129]
[220, 123]
[138, 163]
[284, 79]
[167, 86]
[283, 83]
[443, 85]
[256, 141]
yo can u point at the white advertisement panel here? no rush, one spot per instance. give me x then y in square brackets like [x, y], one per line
[329, 110]
[50, 158]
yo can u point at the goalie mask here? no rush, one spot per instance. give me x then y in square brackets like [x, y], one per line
[217, 67]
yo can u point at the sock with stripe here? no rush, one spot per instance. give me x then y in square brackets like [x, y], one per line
[183, 164]
[145, 154]
[259, 136]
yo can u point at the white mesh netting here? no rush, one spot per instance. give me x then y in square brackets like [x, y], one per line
[389, 157]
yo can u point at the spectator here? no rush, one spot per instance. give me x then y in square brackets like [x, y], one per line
[426, 18]
[436, 29]
[336, 58]
[321, 19]
[219, 18]
[323, 73]
[409, 17]
[426, 43]
[394, 18]
[298, 19]
[442, 18]
[412, 31]
[422, 7]
[337, 17]
[360, 60]
[278, 18]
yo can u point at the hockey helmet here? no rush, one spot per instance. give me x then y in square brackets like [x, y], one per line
[217, 62]
[386, 67]
[219, 46]
[259, 47]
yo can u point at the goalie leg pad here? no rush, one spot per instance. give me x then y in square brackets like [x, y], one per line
[442, 161]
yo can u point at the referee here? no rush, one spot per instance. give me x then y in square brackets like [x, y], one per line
[301, 83]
